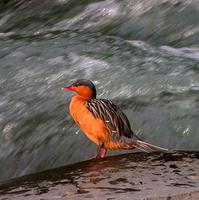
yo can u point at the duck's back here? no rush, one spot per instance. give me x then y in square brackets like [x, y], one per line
[112, 116]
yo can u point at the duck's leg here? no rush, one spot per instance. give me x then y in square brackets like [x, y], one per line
[99, 148]
[103, 153]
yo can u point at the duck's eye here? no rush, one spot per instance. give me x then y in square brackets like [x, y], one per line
[77, 84]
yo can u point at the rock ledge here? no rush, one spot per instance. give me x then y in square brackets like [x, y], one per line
[135, 176]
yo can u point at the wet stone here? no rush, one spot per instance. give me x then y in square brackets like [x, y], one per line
[167, 177]
[173, 166]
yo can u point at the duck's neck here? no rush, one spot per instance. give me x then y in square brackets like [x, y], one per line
[84, 97]
[77, 99]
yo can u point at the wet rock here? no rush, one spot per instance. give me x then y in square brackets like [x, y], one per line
[154, 176]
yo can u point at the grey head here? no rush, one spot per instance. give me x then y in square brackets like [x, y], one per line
[88, 83]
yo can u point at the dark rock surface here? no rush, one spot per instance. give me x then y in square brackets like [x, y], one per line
[154, 176]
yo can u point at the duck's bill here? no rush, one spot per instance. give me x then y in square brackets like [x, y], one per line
[69, 88]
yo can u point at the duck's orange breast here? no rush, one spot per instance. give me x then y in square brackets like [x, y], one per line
[94, 128]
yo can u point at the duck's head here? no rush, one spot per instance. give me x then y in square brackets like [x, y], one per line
[84, 88]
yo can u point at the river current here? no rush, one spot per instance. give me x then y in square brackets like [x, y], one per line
[144, 55]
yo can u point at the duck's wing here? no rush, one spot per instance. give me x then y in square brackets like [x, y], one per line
[112, 116]
[118, 124]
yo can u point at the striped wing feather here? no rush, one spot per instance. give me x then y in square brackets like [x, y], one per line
[113, 117]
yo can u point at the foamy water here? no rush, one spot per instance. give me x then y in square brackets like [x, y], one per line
[145, 68]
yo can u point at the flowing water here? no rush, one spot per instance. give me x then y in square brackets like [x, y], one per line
[144, 55]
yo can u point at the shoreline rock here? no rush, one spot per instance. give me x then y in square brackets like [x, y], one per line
[135, 176]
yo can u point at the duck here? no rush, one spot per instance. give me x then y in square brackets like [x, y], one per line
[102, 121]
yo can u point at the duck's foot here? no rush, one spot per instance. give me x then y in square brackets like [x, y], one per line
[101, 151]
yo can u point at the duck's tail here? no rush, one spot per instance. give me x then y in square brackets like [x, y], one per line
[144, 146]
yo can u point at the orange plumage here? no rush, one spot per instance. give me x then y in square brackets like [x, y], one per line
[102, 121]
